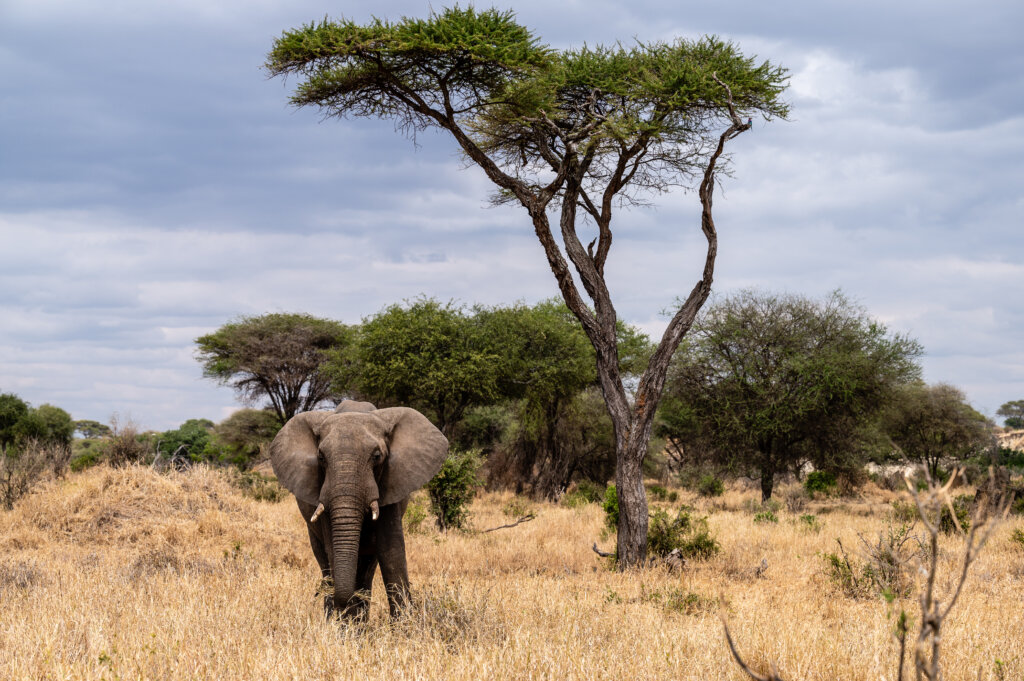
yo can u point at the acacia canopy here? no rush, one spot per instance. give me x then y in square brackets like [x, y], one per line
[576, 132]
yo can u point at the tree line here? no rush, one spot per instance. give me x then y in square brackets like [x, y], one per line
[765, 385]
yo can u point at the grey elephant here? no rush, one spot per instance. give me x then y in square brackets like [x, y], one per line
[352, 471]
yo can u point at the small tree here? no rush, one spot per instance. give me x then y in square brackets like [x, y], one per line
[932, 424]
[1012, 413]
[558, 133]
[453, 488]
[278, 357]
[769, 382]
[425, 354]
[12, 410]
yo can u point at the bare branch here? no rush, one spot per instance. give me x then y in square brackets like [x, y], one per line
[774, 675]
[525, 519]
[603, 554]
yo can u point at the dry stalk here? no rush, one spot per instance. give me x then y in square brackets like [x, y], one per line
[927, 648]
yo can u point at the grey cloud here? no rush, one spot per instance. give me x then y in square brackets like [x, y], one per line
[154, 184]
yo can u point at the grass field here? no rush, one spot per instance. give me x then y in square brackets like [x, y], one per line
[130, 574]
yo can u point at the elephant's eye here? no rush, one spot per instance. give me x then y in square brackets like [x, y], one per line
[377, 455]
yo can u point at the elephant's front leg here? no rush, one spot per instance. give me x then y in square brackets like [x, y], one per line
[366, 568]
[391, 553]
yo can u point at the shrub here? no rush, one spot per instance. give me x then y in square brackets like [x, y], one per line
[21, 470]
[795, 499]
[710, 486]
[452, 489]
[904, 511]
[660, 493]
[87, 458]
[585, 492]
[684, 532]
[124, 446]
[821, 482]
[415, 514]
[885, 571]
[851, 579]
[766, 516]
[1018, 538]
[681, 601]
[810, 522]
[754, 506]
[258, 486]
[962, 508]
[517, 508]
[611, 507]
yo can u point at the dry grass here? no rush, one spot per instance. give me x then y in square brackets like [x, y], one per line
[133, 575]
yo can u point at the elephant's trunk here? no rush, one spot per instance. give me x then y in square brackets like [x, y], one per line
[346, 523]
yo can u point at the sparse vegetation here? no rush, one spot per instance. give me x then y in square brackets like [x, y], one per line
[180, 575]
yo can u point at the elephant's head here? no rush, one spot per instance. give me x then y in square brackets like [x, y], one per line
[351, 462]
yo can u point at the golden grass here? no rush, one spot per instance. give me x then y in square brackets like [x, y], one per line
[127, 574]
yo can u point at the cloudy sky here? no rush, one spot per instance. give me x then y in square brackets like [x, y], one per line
[154, 184]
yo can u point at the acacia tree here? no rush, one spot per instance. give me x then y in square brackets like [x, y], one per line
[571, 134]
[770, 382]
[934, 423]
[1012, 413]
[275, 356]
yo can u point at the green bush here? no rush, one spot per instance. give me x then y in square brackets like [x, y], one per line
[585, 492]
[660, 493]
[684, 532]
[710, 486]
[904, 511]
[415, 514]
[86, 459]
[452, 489]
[611, 507]
[852, 580]
[962, 507]
[766, 516]
[820, 482]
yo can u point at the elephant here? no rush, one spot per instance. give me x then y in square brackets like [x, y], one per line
[352, 471]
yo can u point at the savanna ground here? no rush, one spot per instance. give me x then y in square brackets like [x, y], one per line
[130, 574]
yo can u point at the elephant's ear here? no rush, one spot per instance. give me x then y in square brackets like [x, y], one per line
[293, 455]
[351, 405]
[416, 451]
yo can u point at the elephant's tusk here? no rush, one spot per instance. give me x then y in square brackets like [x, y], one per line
[316, 513]
[374, 509]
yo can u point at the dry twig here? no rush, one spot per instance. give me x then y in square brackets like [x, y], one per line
[525, 519]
